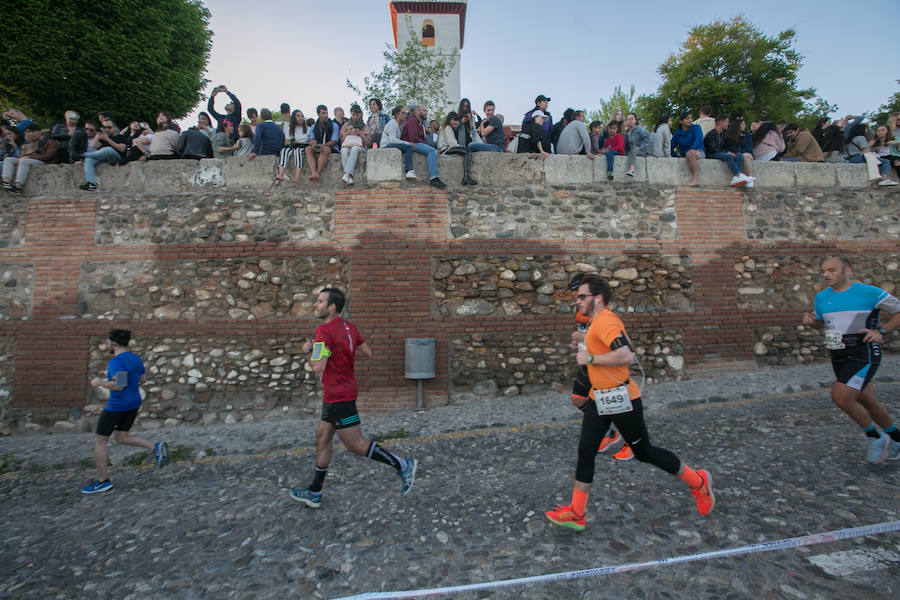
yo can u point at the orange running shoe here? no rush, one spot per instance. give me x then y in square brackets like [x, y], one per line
[608, 441]
[626, 453]
[566, 517]
[705, 498]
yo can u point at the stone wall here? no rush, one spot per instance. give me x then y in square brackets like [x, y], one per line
[7, 377]
[487, 365]
[819, 214]
[798, 344]
[217, 379]
[513, 285]
[16, 286]
[276, 216]
[213, 265]
[786, 282]
[12, 221]
[232, 288]
[539, 212]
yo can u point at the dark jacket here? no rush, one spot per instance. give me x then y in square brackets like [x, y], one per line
[234, 117]
[60, 133]
[193, 143]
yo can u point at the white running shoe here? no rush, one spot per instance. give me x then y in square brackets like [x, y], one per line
[410, 174]
[887, 182]
[738, 180]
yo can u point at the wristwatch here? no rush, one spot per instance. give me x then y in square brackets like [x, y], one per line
[590, 359]
[882, 331]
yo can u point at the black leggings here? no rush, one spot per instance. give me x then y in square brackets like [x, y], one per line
[581, 383]
[631, 426]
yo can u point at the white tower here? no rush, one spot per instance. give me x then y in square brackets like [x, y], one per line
[440, 24]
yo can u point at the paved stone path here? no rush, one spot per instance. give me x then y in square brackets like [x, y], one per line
[784, 465]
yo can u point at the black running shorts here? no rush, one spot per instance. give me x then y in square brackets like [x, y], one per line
[340, 414]
[112, 421]
[856, 366]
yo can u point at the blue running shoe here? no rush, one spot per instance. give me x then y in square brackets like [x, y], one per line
[878, 449]
[160, 453]
[311, 499]
[95, 487]
[408, 475]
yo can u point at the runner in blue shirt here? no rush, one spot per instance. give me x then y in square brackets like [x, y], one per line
[123, 376]
[849, 312]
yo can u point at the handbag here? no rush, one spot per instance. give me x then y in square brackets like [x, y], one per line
[352, 141]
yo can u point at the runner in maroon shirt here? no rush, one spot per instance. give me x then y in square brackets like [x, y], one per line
[333, 356]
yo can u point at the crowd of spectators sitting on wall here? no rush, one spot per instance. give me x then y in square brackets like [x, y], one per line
[294, 139]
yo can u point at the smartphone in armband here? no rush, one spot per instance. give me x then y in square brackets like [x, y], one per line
[319, 351]
[121, 379]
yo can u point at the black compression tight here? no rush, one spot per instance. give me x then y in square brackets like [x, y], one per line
[631, 426]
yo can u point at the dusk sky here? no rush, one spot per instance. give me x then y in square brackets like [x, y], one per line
[302, 52]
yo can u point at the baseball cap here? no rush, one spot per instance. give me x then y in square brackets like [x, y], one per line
[576, 281]
[541, 98]
[538, 113]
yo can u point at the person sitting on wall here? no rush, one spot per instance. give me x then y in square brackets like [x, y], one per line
[687, 143]
[447, 142]
[598, 140]
[830, 139]
[802, 146]
[268, 139]
[63, 132]
[164, 143]
[18, 118]
[390, 138]
[221, 143]
[490, 129]
[355, 140]
[540, 105]
[193, 143]
[323, 140]
[296, 139]
[706, 122]
[662, 138]
[767, 142]
[113, 148]
[637, 141]
[615, 146]
[533, 139]
[574, 137]
[558, 129]
[413, 133]
[37, 150]
[741, 143]
[715, 149]
[252, 119]
[232, 110]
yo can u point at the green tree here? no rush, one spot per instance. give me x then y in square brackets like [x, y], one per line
[127, 56]
[887, 109]
[415, 73]
[732, 66]
[619, 100]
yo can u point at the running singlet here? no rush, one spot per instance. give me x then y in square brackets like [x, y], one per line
[855, 308]
[342, 339]
[605, 329]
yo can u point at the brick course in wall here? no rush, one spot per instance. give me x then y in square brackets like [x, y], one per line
[386, 244]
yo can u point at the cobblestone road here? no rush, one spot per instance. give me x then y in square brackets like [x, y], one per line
[224, 527]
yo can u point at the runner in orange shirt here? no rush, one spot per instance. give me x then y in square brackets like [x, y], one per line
[615, 398]
[581, 384]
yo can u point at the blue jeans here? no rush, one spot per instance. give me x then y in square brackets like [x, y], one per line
[106, 154]
[883, 168]
[430, 156]
[610, 157]
[478, 147]
[733, 162]
[407, 151]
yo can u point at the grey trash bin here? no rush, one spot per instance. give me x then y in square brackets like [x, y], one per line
[419, 362]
